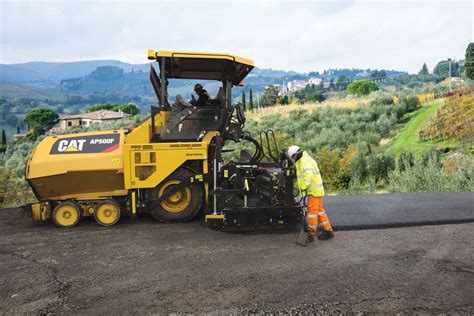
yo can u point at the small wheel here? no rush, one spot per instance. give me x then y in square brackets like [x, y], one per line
[67, 214]
[107, 213]
[181, 206]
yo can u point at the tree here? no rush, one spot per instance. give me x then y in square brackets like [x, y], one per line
[284, 100]
[358, 167]
[270, 95]
[250, 99]
[99, 107]
[469, 63]
[362, 87]
[126, 108]
[41, 120]
[105, 73]
[243, 100]
[442, 68]
[380, 166]
[378, 74]
[314, 97]
[18, 129]
[4, 137]
[342, 83]
[332, 87]
[424, 70]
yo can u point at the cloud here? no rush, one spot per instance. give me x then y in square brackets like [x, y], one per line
[296, 35]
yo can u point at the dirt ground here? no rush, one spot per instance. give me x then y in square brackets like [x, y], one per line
[143, 267]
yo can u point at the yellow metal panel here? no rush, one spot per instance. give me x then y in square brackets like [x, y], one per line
[42, 163]
[60, 174]
[41, 211]
[205, 55]
[151, 54]
[215, 216]
[169, 157]
[134, 203]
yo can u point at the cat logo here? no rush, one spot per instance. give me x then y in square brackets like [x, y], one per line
[90, 144]
[71, 145]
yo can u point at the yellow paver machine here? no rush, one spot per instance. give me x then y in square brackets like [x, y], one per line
[171, 164]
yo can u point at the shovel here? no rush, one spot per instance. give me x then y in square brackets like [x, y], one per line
[302, 238]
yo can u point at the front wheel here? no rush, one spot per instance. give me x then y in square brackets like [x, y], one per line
[181, 206]
[107, 213]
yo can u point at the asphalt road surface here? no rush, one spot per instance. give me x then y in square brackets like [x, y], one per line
[147, 267]
[399, 210]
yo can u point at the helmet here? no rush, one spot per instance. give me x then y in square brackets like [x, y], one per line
[292, 150]
[197, 87]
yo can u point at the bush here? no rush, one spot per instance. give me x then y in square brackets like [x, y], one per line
[358, 167]
[380, 166]
[430, 176]
[362, 87]
[405, 160]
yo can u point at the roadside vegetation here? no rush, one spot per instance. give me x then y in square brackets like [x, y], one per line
[346, 141]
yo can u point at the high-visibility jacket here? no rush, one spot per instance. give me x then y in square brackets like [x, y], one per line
[308, 176]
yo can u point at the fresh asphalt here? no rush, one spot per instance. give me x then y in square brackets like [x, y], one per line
[399, 210]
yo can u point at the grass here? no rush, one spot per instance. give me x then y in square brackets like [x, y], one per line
[284, 110]
[407, 138]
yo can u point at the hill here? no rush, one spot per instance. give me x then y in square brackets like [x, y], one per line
[18, 74]
[12, 90]
[407, 138]
[454, 120]
[49, 74]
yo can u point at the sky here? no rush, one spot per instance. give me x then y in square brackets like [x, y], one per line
[291, 35]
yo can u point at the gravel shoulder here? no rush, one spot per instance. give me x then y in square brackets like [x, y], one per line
[147, 267]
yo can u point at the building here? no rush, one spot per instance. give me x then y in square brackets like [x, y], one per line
[296, 85]
[87, 119]
[314, 81]
[19, 136]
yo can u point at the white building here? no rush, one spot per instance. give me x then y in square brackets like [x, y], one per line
[296, 85]
[314, 81]
[87, 119]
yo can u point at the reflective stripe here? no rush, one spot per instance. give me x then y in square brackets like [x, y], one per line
[301, 176]
[307, 169]
[312, 216]
[316, 186]
[324, 223]
[312, 226]
[307, 181]
[321, 213]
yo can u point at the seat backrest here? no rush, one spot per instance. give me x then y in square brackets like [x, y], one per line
[220, 95]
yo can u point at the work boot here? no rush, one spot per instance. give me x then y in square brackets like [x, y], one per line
[310, 238]
[326, 235]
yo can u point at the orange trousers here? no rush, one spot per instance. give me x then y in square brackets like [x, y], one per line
[316, 215]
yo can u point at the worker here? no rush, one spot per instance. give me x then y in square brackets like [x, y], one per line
[203, 96]
[310, 182]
